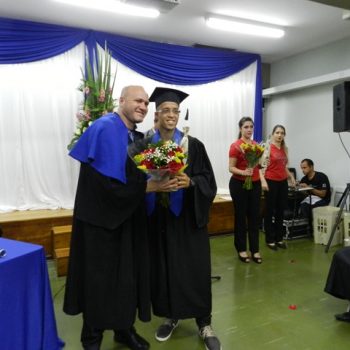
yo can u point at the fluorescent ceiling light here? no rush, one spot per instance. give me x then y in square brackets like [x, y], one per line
[113, 6]
[244, 27]
[253, 16]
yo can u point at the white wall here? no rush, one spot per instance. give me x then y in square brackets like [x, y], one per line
[308, 118]
[330, 58]
[307, 113]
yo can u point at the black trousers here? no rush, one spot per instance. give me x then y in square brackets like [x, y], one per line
[91, 337]
[203, 321]
[306, 209]
[246, 205]
[276, 199]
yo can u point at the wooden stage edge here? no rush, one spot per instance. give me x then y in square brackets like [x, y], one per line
[35, 226]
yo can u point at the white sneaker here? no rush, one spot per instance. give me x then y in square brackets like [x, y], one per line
[211, 341]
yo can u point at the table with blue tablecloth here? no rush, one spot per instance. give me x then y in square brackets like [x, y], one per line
[27, 319]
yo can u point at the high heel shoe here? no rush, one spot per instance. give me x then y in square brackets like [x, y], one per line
[244, 259]
[272, 246]
[281, 245]
[257, 259]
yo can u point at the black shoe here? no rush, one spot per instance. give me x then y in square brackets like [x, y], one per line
[165, 330]
[131, 339]
[272, 246]
[281, 245]
[345, 317]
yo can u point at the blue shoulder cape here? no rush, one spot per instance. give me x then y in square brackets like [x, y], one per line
[104, 146]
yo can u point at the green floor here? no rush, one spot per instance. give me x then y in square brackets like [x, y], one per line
[250, 304]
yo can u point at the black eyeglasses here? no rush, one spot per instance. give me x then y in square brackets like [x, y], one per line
[169, 110]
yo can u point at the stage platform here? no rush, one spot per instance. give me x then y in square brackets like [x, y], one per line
[35, 226]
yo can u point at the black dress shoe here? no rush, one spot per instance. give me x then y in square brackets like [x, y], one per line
[343, 317]
[131, 339]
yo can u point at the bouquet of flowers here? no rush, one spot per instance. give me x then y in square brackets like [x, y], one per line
[165, 158]
[97, 86]
[162, 160]
[252, 154]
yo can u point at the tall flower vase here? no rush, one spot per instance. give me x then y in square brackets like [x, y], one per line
[248, 184]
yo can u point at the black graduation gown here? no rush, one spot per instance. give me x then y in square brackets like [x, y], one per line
[338, 280]
[108, 273]
[179, 246]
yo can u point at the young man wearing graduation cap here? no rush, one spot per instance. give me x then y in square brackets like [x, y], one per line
[179, 242]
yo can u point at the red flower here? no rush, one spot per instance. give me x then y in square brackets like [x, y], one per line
[174, 167]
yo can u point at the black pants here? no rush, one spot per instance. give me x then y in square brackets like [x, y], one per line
[246, 205]
[91, 337]
[275, 203]
[306, 209]
[203, 321]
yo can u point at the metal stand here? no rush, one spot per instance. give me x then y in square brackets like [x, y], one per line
[340, 204]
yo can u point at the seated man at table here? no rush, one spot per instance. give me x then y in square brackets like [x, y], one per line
[338, 280]
[320, 194]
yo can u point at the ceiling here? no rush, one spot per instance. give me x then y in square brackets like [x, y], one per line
[308, 24]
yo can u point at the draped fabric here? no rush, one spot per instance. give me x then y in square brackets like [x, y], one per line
[174, 64]
[25, 41]
[40, 69]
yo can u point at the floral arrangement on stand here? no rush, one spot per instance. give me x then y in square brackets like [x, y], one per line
[252, 154]
[161, 161]
[97, 86]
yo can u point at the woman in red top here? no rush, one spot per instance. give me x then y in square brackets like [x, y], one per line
[276, 186]
[246, 202]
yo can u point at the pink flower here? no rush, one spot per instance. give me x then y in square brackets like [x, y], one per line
[102, 96]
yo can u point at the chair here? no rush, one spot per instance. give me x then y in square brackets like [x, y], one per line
[295, 225]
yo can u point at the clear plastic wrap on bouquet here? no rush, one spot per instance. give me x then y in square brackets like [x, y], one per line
[159, 174]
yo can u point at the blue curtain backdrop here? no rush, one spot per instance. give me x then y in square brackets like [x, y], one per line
[25, 41]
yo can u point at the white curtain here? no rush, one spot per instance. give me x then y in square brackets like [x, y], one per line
[38, 103]
[214, 112]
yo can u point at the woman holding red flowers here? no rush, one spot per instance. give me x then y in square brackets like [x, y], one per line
[246, 202]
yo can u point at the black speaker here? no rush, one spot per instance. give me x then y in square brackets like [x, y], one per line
[341, 107]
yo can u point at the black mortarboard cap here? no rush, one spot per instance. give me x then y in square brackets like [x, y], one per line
[163, 94]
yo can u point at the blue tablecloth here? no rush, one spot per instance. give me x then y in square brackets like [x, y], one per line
[27, 319]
